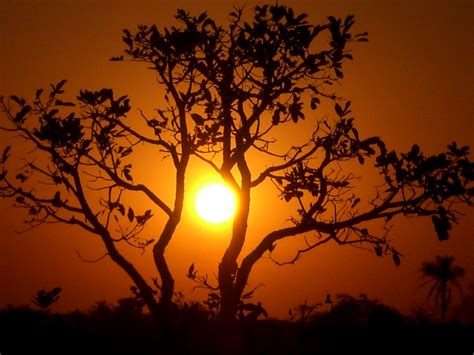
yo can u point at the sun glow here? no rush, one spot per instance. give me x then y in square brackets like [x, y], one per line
[215, 203]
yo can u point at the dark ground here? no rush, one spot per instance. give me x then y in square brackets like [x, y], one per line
[351, 326]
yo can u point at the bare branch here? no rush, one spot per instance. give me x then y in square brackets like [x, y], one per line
[91, 260]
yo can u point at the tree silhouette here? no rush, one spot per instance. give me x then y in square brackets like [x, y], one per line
[442, 275]
[83, 155]
[229, 92]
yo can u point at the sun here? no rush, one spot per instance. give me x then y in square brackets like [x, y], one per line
[215, 203]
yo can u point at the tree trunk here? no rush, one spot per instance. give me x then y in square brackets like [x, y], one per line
[167, 281]
[228, 266]
[229, 301]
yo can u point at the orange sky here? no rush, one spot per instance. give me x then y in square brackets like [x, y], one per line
[412, 83]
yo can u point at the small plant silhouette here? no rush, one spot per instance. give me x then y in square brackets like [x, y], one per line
[44, 298]
[442, 276]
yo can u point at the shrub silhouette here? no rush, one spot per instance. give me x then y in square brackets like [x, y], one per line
[44, 299]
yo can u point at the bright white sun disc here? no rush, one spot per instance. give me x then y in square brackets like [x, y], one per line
[215, 203]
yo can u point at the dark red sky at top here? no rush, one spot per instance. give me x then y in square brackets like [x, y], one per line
[412, 83]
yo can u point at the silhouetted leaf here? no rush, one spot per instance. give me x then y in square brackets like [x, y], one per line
[126, 152]
[56, 202]
[38, 93]
[127, 175]
[276, 117]
[378, 250]
[355, 132]
[6, 153]
[191, 274]
[130, 214]
[347, 106]
[60, 85]
[19, 117]
[19, 100]
[126, 172]
[144, 218]
[21, 177]
[396, 258]
[149, 241]
[63, 103]
[355, 202]
[314, 103]
[121, 208]
[442, 226]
